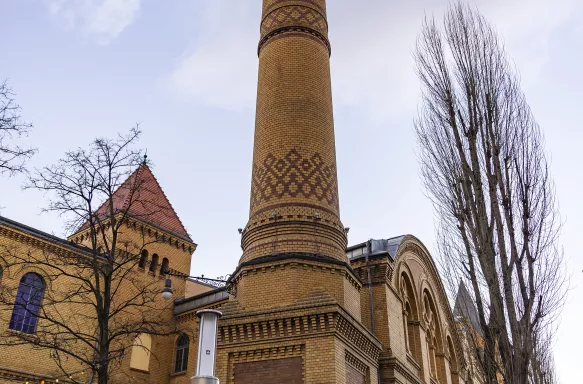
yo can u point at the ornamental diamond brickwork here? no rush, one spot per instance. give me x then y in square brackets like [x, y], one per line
[294, 16]
[294, 176]
[270, 5]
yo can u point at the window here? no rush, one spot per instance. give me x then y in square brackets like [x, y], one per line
[181, 360]
[140, 359]
[28, 299]
[410, 329]
[434, 338]
[154, 263]
[410, 316]
[165, 268]
[143, 259]
[453, 367]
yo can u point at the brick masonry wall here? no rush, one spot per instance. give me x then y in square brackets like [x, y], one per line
[283, 283]
[282, 371]
[354, 376]
[37, 363]
[294, 192]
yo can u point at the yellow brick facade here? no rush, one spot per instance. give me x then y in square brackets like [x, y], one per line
[297, 308]
[23, 363]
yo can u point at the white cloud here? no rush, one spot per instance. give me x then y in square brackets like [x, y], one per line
[99, 20]
[372, 42]
[220, 69]
[527, 26]
[372, 60]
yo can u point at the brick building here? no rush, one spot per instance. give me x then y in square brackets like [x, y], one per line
[301, 307]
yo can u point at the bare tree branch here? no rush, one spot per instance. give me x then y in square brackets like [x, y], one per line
[485, 169]
[12, 127]
[97, 301]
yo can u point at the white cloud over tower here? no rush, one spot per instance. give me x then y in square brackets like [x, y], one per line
[100, 21]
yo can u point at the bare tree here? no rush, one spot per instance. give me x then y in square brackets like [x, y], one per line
[12, 157]
[484, 167]
[542, 369]
[97, 302]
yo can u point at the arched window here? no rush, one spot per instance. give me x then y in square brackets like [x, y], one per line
[410, 318]
[141, 348]
[433, 347]
[143, 259]
[453, 367]
[181, 360]
[165, 268]
[154, 263]
[27, 305]
[410, 329]
[434, 338]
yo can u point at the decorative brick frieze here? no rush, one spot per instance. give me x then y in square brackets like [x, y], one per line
[256, 328]
[294, 176]
[296, 326]
[355, 336]
[318, 5]
[294, 15]
[356, 363]
[294, 18]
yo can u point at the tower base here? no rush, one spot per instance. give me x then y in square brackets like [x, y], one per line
[312, 340]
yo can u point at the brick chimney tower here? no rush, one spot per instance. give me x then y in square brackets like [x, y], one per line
[294, 192]
[295, 311]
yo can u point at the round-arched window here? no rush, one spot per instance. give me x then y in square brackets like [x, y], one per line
[181, 360]
[27, 305]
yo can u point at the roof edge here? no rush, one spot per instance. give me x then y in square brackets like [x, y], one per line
[15, 225]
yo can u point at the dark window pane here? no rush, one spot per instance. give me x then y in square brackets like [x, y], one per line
[178, 363]
[181, 358]
[27, 304]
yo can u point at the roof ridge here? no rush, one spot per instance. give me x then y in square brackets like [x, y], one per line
[465, 307]
[137, 173]
[167, 199]
[83, 226]
[121, 202]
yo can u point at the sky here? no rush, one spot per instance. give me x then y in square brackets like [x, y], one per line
[186, 70]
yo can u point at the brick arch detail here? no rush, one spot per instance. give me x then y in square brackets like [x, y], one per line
[410, 250]
[32, 269]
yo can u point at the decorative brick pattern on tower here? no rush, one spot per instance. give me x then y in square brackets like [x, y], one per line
[294, 193]
[296, 305]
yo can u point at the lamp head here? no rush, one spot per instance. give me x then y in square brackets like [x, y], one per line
[167, 290]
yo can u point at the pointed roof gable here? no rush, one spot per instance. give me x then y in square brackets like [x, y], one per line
[148, 202]
[465, 308]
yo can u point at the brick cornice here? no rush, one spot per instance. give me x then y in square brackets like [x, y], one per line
[258, 327]
[396, 366]
[49, 245]
[140, 224]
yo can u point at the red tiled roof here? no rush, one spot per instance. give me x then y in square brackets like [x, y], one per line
[148, 202]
